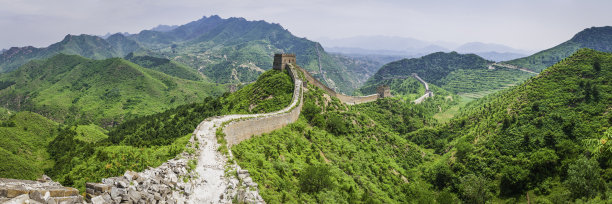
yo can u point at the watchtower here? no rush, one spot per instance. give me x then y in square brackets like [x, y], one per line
[383, 91]
[281, 61]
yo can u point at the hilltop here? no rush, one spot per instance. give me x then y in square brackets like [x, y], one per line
[597, 38]
[69, 88]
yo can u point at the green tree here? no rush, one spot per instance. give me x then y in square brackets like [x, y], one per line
[315, 178]
[474, 189]
[583, 179]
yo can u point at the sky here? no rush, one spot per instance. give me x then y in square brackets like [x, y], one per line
[522, 24]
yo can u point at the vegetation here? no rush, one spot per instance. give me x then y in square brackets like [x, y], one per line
[533, 138]
[88, 46]
[457, 73]
[75, 90]
[545, 138]
[337, 153]
[271, 92]
[23, 137]
[166, 66]
[76, 154]
[597, 38]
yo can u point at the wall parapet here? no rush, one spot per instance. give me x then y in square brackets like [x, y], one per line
[349, 100]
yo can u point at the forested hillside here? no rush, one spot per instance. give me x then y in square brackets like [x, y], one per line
[597, 38]
[73, 89]
[458, 73]
[84, 45]
[546, 138]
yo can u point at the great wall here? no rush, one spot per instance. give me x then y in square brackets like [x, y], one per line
[214, 179]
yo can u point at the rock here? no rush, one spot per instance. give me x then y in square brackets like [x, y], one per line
[130, 175]
[121, 184]
[117, 192]
[107, 198]
[134, 195]
[37, 196]
[51, 201]
[19, 199]
[98, 200]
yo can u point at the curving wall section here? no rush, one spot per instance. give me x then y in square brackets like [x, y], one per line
[244, 128]
[351, 100]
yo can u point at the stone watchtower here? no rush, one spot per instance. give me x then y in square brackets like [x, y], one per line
[383, 91]
[281, 61]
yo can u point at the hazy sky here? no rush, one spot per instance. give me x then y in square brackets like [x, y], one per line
[523, 24]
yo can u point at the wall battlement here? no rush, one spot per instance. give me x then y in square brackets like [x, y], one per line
[281, 61]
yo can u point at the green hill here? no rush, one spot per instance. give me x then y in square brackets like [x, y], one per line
[597, 38]
[458, 73]
[84, 45]
[23, 137]
[166, 66]
[70, 88]
[536, 138]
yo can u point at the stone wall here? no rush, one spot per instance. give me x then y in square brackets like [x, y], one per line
[243, 129]
[351, 100]
[428, 93]
[42, 191]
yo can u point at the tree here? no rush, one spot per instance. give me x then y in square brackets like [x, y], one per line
[513, 181]
[474, 189]
[315, 178]
[583, 179]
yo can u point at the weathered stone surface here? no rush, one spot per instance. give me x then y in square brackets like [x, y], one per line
[23, 198]
[98, 200]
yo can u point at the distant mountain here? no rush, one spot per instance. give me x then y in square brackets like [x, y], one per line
[363, 52]
[479, 47]
[93, 47]
[597, 38]
[235, 50]
[70, 88]
[459, 73]
[363, 66]
[164, 28]
[498, 57]
[105, 36]
[2, 51]
[230, 50]
[381, 45]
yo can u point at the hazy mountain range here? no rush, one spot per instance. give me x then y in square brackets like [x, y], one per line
[411, 47]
